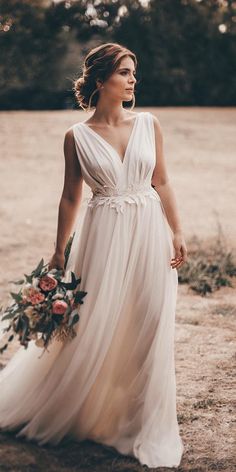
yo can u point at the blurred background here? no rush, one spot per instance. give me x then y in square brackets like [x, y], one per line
[186, 53]
[186, 49]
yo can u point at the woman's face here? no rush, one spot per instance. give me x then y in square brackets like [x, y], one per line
[120, 85]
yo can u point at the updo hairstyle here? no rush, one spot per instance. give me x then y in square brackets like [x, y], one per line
[99, 64]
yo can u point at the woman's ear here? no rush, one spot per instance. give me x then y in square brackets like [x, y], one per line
[99, 84]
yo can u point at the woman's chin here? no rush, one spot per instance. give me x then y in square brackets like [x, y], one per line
[128, 97]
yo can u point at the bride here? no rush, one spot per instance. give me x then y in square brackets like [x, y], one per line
[114, 382]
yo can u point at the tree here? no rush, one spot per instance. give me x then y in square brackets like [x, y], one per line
[31, 48]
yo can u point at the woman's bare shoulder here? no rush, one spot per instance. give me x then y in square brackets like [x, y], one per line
[69, 138]
[154, 117]
[70, 132]
[70, 151]
[157, 124]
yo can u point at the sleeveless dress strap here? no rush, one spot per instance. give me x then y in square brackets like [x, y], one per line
[151, 130]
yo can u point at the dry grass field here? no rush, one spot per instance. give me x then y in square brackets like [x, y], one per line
[200, 151]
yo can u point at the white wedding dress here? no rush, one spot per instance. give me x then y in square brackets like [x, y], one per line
[114, 382]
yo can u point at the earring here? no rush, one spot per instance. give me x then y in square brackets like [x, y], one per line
[91, 96]
[133, 102]
[90, 99]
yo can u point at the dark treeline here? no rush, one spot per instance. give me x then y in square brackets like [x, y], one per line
[186, 49]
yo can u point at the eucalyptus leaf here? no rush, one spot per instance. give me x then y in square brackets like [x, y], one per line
[9, 316]
[3, 348]
[7, 329]
[79, 296]
[73, 284]
[75, 318]
[16, 296]
[68, 249]
[17, 282]
[18, 325]
[25, 327]
[38, 269]
[49, 331]
[28, 278]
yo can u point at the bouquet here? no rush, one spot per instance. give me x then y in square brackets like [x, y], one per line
[45, 308]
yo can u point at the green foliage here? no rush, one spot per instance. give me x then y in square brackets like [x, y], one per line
[183, 57]
[36, 272]
[71, 285]
[32, 51]
[68, 248]
[41, 318]
[208, 269]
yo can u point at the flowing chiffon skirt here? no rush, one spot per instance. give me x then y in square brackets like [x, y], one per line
[115, 381]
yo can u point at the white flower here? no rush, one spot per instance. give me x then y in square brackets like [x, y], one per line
[57, 295]
[69, 294]
[26, 288]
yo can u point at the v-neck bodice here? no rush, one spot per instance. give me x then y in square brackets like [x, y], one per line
[106, 143]
[111, 180]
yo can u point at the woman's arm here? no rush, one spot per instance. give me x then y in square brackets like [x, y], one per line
[161, 182]
[70, 200]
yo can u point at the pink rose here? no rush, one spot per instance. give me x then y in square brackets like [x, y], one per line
[59, 307]
[36, 297]
[47, 283]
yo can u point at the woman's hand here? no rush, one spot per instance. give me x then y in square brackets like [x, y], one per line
[180, 251]
[57, 262]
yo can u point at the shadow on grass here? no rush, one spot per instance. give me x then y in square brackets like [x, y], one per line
[18, 455]
[21, 455]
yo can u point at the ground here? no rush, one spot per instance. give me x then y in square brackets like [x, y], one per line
[199, 147]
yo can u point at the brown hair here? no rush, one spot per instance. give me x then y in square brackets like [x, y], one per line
[99, 64]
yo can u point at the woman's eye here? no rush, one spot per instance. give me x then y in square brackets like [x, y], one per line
[126, 72]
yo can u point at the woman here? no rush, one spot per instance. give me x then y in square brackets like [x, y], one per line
[114, 382]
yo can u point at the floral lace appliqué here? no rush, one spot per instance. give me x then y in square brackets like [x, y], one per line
[116, 197]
